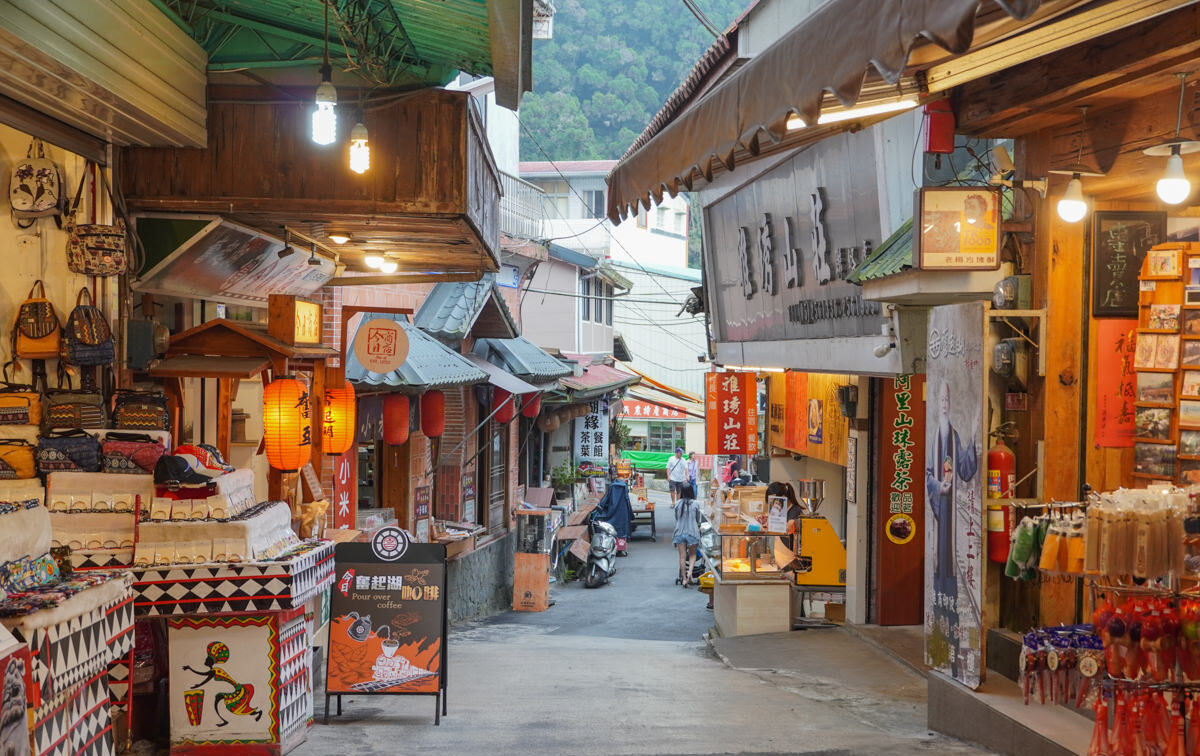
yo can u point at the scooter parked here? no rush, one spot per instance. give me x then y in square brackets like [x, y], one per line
[602, 554]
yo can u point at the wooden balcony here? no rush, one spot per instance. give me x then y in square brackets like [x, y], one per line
[430, 199]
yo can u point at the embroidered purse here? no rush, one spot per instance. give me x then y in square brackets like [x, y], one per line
[74, 450]
[74, 409]
[95, 249]
[134, 453]
[141, 410]
[16, 460]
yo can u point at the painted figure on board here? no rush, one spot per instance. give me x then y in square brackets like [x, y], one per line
[951, 463]
[238, 701]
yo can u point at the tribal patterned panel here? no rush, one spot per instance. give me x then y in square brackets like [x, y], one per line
[70, 652]
[76, 723]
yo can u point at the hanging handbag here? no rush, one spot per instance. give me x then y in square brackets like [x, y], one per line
[36, 332]
[71, 450]
[95, 249]
[19, 404]
[74, 409]
[87, 340]
[16, 460]
[131, 453]
[35, 189]
[141, 410]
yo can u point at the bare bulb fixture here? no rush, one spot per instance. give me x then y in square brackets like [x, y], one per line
[360, 150]
[324, 118]
[1072, 207]
[1174, 187]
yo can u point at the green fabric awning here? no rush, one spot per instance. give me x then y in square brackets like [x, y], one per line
[647, 460]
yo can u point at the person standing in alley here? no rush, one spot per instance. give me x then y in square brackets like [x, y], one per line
[677, 473]
[694, 473]
[687, 532]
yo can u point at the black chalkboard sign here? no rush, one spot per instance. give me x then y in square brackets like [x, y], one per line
[1119, 243]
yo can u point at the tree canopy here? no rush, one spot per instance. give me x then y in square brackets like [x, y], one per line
[608, 70]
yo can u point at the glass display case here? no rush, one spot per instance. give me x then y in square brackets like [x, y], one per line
[742, 555]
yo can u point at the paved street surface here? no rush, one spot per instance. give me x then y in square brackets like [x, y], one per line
[623, 670]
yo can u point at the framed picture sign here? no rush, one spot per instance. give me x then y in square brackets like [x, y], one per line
[959, 228]
[1120, 240]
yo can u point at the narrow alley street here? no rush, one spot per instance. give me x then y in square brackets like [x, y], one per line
[624, 669]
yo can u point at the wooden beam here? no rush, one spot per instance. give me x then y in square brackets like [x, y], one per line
[401, 278]
[226, 390]
[1001, 104]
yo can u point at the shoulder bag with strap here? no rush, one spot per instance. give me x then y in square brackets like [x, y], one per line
[65, 408]
[140, 410]
[73, 450]
[35, 189]
[96, 249]
[19, 404]
[17, 459]
[36, 332]
[87, 339]
[134, 453]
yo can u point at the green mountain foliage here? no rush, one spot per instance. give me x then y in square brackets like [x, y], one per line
[608, 70]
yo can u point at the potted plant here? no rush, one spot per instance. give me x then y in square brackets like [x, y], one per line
[562, 477]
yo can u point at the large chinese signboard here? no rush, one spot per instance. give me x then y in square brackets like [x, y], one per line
[1116, 388]
[900, 508]
[731, 416]
[782, 247]
[1119, 243]
[387, 630]
[954, 491]
[591, 436]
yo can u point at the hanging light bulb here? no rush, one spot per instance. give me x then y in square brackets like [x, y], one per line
[1173, 187]
[360, 150]
[373, 261]
[324, 118]
[389, 267]
[1072, 207]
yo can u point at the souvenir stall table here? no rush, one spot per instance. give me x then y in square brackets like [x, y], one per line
[72, 626]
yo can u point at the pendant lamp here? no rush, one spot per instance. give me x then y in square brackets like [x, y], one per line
[324, 117]
[1174, 187]
[340, 420]
[1073, 206]
[395, 419]
[504, 405]
[531, 406]
[287, 424]
[433, 413]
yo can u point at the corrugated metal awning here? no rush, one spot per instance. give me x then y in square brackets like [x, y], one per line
[430, 363]
[501, 378]
[894, 256]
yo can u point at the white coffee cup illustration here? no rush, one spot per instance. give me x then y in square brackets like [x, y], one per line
[390, 646]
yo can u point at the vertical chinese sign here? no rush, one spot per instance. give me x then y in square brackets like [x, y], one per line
[954, 492]
[900, 520]
[1115, 382]
[345, 489]
[777, 412]
[795, 427]
[731, 416]
[591, 437]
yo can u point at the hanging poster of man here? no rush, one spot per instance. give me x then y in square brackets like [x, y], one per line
[960, 228]
[954, 491]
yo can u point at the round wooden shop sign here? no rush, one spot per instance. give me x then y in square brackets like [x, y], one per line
[381, 345]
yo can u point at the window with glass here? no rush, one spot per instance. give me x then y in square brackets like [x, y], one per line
[660, 218]
[593, 200]
[557, 198]
[585, 302]
[641, 217]
[680, 222]
[663, 437]
[608, 304]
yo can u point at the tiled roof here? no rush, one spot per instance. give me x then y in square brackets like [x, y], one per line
[430, 363]
[521, 357]
[451, 310]
[893, 256]
[597, 377]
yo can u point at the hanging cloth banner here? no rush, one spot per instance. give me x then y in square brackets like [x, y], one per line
[1116, 390]
[731, 417]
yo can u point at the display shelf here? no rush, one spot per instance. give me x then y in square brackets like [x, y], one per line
[267, 586]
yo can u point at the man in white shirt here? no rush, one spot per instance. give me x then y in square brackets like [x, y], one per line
[677, 473]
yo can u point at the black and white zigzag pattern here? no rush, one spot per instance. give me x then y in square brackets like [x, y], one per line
[75, 723]
[253, 587]
[66, 654]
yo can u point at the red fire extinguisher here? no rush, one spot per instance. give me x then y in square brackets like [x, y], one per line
[1001, 482]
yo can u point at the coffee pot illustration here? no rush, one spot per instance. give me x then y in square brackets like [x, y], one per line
[360, 629]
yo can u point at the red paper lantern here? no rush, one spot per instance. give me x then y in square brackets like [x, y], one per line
[532, 406]
[287, 424]
[340, 419]
[504, 405]
[433, 413]
[395, 419]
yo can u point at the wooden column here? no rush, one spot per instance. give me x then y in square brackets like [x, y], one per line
[227, 389]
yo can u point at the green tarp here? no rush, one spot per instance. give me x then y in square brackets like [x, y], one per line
[645, 460]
